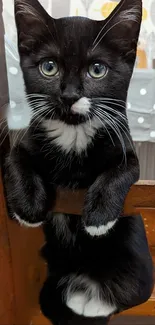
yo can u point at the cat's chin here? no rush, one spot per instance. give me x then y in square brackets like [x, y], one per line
[73, 119]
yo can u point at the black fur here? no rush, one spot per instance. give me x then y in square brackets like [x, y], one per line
[36, 166]
[120, 262]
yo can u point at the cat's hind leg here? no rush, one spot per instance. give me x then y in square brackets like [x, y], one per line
[73, 309]
[84, 297]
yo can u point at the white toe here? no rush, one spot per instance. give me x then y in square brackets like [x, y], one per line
[25, 223]
[98, 308]
[102, 230]
[91, 308]
[77, 302]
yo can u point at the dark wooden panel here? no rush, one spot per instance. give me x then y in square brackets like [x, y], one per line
[129, 320]
[141, 196]
[28, 270]
[7, 298]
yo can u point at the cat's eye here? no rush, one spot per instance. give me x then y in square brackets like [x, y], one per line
[49, 68]
[97, 70]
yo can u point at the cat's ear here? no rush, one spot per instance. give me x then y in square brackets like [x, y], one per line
[121, 28]
[32, 23]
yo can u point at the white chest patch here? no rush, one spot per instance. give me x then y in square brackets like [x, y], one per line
[86, 302]
[70, 137]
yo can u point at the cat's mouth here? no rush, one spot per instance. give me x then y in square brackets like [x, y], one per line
[78, 112]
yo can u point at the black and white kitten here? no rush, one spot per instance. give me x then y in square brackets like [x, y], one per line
[77, 73]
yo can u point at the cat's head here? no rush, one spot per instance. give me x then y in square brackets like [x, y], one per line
[75, 68]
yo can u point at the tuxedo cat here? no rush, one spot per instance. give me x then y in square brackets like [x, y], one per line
[77, 73]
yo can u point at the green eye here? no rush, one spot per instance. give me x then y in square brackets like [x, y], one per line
[49, 68]
[97, 70]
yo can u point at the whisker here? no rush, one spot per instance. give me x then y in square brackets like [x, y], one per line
[2, 121]
[5, 136]
[90, 125]
[110, 99]
[35, 116]
[2, 131]
[116, 119]
[115, 128]
[102, 122]
[36, 95]
[127, 134]
[117, 104]
[36, 108]
[123, 128]
[43, 117]
[38, 101]
[39, 110]
[110, 109]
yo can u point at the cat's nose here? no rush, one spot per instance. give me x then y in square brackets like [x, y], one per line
[69, 97]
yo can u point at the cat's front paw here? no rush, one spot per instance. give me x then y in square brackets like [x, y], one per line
[102, 208]
[96, 224]
[100, 230]
[28, 202]
[25, 223]
[26, 197]
[100, 215]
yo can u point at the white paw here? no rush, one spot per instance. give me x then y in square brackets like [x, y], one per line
[25, 223]
[97, 308]
[81, 305]
[101, 230]
[76, 302]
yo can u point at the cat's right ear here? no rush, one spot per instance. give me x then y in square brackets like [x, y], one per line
[32, 24]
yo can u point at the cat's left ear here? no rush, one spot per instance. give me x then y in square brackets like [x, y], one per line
[32, 24]
[121, 29]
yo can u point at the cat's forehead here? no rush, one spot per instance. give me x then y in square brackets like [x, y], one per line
[75, 32]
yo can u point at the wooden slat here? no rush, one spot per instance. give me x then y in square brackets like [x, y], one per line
[6, 276]
[140, 196]
[149, 222]
[133, 320]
